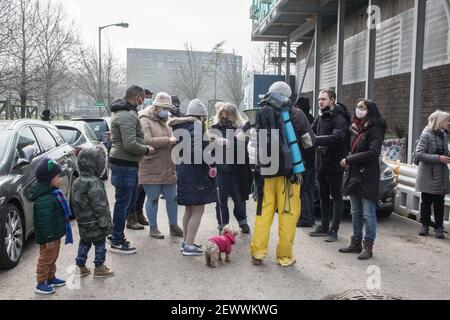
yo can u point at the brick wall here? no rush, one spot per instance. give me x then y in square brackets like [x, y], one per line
[392, 96]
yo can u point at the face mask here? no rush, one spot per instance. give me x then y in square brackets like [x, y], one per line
[227, 123]
[361, 114]
[163, 114]
[148, 102]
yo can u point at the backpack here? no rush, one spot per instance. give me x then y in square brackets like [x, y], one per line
[268, 118]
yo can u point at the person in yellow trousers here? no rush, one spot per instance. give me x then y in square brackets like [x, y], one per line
[277, 187]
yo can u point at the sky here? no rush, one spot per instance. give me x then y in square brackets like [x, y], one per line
[165, 24]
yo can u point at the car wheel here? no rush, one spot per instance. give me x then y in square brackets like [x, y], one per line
[384, 213]
[11, 237]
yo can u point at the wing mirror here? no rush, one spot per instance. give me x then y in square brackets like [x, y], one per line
[26, 156]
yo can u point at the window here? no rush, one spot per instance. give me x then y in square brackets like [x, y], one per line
[91, 135]
[27, 138]
[45, 139]
[71, 135]
[59, 140]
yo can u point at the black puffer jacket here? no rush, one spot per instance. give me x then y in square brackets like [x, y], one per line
[332, 135]
[362, 177]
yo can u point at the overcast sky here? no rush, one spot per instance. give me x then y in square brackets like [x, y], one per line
[166, 24]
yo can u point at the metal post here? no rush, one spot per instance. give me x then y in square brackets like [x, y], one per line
[280, 54]
[100, 65]
[340, 49]
[370, 56]
[317, 39]
[415, 103]
[288, 59]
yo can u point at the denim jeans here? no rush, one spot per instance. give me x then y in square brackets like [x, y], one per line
[169, 191]
[307, 196]
[125, 181]
[83, 250]
[229, 187]
[364, 211]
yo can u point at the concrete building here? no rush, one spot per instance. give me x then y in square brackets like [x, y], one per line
[399, 56]
[156, 70]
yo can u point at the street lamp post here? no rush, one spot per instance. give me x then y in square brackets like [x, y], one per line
[123, 25]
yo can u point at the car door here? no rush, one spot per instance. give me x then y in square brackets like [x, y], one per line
[54, 151]
[24, 175]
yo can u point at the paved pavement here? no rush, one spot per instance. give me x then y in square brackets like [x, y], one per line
[408, 265]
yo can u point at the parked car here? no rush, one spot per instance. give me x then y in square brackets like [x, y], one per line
[387, 189]
[101, 127]
[386, 193]
[80, 135]
[24, 144]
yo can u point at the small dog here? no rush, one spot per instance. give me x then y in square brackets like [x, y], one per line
[220, 244]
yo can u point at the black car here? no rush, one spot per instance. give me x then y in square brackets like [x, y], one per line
[102, 129]
[81, 136]
[386, 193]
[24, 144]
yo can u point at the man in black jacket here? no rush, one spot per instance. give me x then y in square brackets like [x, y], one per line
[332, 131]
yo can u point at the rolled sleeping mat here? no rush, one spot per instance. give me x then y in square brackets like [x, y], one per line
[289, 133]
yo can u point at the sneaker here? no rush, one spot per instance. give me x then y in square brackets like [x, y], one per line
[123, 248]
[302, 224]
[245, 229]
[424, 231]
[319, 232]
[332, 236]
[183, 243]
[56, 283]
[83, 271]
[109, 239]
[103, 272]
[191, 251]
[44, 288]
[256, 262]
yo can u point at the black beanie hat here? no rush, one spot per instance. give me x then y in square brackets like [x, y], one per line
[46, 170]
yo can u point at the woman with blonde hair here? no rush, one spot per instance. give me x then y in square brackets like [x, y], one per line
[234, 178]
[433, 174]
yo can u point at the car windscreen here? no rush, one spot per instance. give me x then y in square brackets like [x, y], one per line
[98, 126]
[4, 142]
[71, 135]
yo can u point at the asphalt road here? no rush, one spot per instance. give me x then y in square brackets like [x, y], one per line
[404, 264]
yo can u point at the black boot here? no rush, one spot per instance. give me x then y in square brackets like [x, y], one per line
[367, 253]
[424, 231]
[439, 233]
[354, 247]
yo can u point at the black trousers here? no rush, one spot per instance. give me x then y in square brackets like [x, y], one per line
[139, 206]
[438, 202]
[330, 187]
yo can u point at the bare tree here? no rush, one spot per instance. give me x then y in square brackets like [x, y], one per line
[233, 79]
[260, 62]
[6, 7]
[22, 51]
[114, 74]
[190, 74]
[57, 38]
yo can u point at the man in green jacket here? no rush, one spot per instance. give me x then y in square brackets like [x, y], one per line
[128, 147]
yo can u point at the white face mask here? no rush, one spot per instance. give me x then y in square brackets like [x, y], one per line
[361, 114]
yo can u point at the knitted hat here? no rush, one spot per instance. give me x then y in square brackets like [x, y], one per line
[46, 170]
[197, 108]
[163, 100]
[176, 101]
[282, 88]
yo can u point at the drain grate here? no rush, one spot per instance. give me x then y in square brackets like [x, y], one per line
[363, 295]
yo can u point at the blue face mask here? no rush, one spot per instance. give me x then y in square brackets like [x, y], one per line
[163, 114]
[148, 102]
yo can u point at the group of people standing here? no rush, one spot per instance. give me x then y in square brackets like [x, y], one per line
[341, 150]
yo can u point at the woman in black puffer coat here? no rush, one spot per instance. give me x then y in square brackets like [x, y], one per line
[362, 176]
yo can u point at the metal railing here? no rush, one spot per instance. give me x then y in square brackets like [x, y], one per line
[259, 10]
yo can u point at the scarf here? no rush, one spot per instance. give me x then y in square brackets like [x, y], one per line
[67, 213]
[358, 128]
